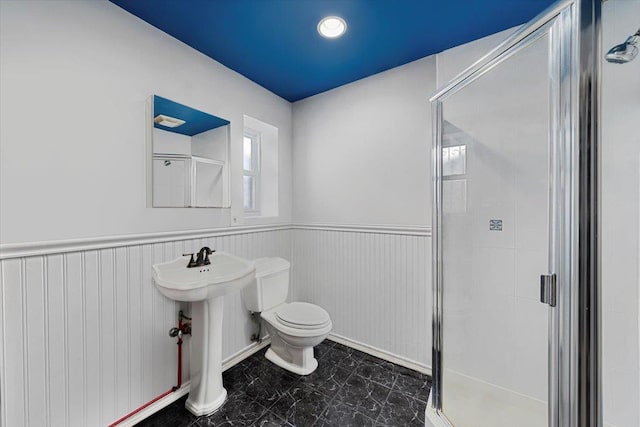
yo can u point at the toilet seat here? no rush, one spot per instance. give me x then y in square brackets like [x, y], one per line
[302, 315]
[287, 321]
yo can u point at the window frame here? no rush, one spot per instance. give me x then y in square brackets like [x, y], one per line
[255, 170]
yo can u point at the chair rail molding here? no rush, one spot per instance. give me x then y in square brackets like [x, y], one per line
[27, 249]
[19, 250]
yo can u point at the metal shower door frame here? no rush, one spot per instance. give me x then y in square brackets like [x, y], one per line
[574, 29]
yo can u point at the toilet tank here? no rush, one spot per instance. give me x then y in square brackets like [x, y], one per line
[270, 286]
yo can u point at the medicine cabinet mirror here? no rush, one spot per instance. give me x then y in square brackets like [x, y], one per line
[188, 156]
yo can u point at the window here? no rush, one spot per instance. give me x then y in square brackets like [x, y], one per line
[260, 170]
[454, 160]
[251, 171]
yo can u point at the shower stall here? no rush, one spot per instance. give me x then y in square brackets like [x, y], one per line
[517, 160]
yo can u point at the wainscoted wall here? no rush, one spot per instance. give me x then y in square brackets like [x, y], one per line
[84, 332]
[375, 282]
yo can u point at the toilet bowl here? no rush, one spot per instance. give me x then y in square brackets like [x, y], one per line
[295, 327]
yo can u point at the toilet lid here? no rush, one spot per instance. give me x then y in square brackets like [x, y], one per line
[302, 315]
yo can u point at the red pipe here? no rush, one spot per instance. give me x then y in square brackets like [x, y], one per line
[130, 414]
[135, 411]
[180, 326]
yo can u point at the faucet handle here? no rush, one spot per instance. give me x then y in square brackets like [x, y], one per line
[203, 255]
[192, 263]
[206, 258]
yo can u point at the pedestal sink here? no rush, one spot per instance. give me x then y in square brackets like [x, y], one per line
[205, 287]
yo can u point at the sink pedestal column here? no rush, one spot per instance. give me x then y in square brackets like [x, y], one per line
[206, 392]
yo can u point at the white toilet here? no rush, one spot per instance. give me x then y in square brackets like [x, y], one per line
[295, 328]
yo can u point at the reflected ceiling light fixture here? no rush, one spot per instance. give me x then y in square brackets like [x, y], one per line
[332, 27]
[624, 52]
[168, 121]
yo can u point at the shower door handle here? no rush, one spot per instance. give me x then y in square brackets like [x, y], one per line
[548, 289]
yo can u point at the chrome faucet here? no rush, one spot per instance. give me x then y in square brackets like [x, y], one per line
[202, 258]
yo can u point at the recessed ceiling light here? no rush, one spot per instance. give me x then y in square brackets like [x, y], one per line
[332, 27]
[168, 121]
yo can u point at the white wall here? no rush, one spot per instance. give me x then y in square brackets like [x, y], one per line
[91, 328]
[362, 151]
[362, 157]
[454, 61]
[75, 76]
[620, 220]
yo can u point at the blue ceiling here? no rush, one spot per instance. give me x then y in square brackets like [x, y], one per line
[275, 43]
[196, 121]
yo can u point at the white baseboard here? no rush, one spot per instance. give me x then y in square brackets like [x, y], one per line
[238, 357]
[227, 363]
[381, 354]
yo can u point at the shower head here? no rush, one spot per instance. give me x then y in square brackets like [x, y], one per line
[625, 52]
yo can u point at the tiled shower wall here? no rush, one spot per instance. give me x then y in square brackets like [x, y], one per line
[85, 334]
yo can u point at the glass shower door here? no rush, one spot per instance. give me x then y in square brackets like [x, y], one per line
[516, 210]
[495, 239]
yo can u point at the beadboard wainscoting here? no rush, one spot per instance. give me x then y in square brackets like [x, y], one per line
[374, 281]
[84, 331]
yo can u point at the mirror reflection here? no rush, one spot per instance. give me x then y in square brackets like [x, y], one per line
[190, 150]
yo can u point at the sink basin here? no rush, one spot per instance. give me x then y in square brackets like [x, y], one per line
[205, 288]
[226, 273]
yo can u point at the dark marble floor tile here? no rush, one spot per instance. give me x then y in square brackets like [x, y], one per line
[301, 406]
[401, 410]
[409, 372]
[329, 387]
[322, 348]
[269, 419]
[327, 378]
[269, 384]
[346, 389]
[382, 363]
[239, 411]
[237, 377]
[380, 373]
[363, 395]
[174, 415]
[360, 354]
[346, 357]
[342, 415]
[416, 386]
[332, 371]
[256, 359]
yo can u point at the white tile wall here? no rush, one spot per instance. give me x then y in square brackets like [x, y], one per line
[495, 329]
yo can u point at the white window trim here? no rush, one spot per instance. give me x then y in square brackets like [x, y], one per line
[255, 169]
